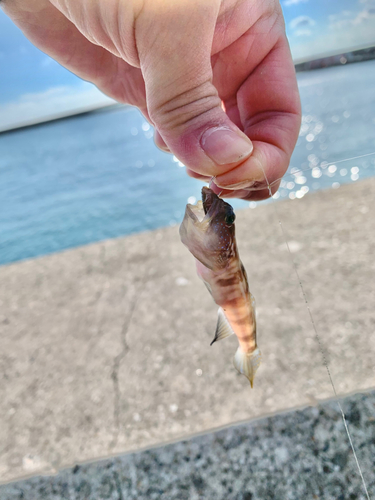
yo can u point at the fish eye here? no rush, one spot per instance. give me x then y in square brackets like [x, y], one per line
[230, 218]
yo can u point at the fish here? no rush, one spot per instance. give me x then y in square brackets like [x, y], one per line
[208, 231]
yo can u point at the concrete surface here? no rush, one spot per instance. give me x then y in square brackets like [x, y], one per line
[105, 348]
[293, 456]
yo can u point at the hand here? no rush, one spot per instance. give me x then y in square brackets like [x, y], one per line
[182, 62]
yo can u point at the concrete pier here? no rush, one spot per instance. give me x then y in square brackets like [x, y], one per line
[105, 348]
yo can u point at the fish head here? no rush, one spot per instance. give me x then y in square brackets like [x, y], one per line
[208, 231]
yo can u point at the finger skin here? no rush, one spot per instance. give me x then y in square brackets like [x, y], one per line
[195, 175]
[246, 194]
[160, 143]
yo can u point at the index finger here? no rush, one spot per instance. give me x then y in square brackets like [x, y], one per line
[268, 107]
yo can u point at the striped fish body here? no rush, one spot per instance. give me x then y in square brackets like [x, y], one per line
[230, 291]
[209, 233]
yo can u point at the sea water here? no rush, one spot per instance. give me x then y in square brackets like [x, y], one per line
[98, 176]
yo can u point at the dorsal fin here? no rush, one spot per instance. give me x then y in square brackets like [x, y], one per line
[223, 328]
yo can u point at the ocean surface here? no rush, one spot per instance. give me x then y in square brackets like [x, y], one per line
[99, 176]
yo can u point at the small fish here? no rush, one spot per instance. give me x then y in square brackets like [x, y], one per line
[208, 232]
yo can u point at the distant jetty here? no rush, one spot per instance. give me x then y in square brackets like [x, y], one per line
[62, 116]
[337, 59]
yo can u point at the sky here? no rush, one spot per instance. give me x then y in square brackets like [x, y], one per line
[317, 27]
[34, 87]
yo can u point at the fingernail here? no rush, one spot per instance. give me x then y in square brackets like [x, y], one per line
[240, 185]
[224, 145]
[254, 173]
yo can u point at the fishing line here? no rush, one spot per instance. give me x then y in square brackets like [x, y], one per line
[323, 165]
[211, 181]
[325, 362]
[210, 184]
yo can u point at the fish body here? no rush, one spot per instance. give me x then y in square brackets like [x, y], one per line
[208, 231]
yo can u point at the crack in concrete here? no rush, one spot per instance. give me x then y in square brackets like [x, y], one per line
[116, 368]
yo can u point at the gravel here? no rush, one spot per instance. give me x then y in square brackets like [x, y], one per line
[300, 454]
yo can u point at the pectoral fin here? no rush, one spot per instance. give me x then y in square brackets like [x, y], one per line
[223, 328]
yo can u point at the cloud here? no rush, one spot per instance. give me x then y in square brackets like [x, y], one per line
[301, 22]
[54, 102]
[341, 15]
[364, 15]
[331, 41]
[303, 32]
[348, 18]
[288, 3]
[336, 22]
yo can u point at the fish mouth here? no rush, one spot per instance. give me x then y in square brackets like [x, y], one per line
[195, 212]
[206, 232]
[206, 208]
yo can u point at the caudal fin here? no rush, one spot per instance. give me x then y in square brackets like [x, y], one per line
[247, 364]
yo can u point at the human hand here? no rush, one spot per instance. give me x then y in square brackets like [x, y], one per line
[181, 62]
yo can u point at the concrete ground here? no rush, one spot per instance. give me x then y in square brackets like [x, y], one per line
[298, 455]
[105, 348]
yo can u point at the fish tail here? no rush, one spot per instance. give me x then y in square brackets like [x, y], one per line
[247, 363]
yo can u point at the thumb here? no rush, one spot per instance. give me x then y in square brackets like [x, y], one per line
[174, 41]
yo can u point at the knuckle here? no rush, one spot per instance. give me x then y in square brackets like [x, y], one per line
[183, 107]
